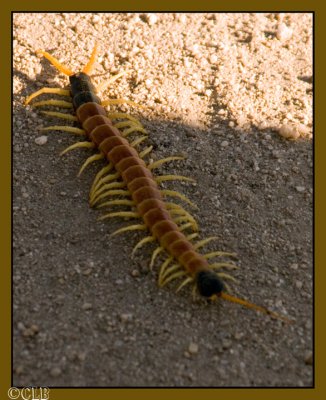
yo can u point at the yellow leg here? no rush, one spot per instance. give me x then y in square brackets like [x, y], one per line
[175, 209]
[202, 243]
[122, 214]
[144, 153]
[172, 277]
[192, 236]
[155, 253]
[123, 124]
[101, 181]
[184, 283]
[89, 160]
[52, 102]
[99, 175]
[140, 129]
[138, 227]
[218, 254]
[120, 202]
[218, 266]
[142, 242]
[102, 86]
[114, 116]
[60, 115]
[101, 193]
[62, 92]
[64, 128]
[138, 141]
[185, 226]
[163, 178]
[173, 193]
[173, 268]
[164, 266]
[87, 145]
[222, 275]
[188, 218]
[115, 192]
[158, 163]
[120, 101]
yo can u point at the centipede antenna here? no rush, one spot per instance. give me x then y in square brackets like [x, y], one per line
[55, 63]
[253, 306]
[89, 66]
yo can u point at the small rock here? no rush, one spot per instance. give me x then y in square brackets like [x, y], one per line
[226, 344]
[300, 189]
[299, 284]
[135, 273]
[87, 272]
[193, 348]
[20, 326]
[213, 59]
[289, 132]
[308, 358]
[283, 32]
[151, 19]
[41, 140]
[125, 317]
[87, 306]
[225, 143]
[56, 371]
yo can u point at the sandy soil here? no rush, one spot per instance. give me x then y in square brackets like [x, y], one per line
[218, 88]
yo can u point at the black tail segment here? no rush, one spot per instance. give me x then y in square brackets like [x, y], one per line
[208, 283]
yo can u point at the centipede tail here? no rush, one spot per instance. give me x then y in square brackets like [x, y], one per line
[128, 180]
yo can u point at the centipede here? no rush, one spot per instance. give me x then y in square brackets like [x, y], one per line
[127, 186]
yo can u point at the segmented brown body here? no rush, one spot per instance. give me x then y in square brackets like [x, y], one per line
[141, 185]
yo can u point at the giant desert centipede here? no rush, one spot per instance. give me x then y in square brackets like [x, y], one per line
[127, 180]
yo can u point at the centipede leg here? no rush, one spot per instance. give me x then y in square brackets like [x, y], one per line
[65, 128]
[78, 145]
[45, 90]
[60, 115]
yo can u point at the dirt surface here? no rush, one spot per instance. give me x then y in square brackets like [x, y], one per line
[219, 89]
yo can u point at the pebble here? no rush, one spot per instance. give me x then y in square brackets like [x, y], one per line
[56, 371]
[308, 358]
[31, 331]
[125, 317]
[283, 32]
[300, 189]
[20, 326]
[87, 306]
[151, 19]
[299, 284]
[193, 348]
[135, 273]
[225, 143]
[41, 140]
[289, 132]
[87, 272]
[226, 344]
[213, 59]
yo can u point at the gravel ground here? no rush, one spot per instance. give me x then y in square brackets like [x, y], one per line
[221, 89]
